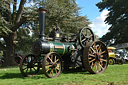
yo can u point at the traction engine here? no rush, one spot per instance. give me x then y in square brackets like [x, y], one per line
[54, 54]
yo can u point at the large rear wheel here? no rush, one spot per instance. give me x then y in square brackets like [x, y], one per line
[95, 57]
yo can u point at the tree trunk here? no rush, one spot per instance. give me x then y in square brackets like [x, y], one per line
[9, 57]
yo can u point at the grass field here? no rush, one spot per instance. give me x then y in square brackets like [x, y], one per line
[114, 75]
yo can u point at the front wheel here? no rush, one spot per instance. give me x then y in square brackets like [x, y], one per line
[52, 65]
[111, 61]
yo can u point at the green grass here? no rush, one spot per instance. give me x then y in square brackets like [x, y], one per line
[114, 75]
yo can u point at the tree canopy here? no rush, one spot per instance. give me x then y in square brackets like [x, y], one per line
[117, 18]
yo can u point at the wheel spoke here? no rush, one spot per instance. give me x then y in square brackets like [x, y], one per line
[90, 51]
[101, 66]
[90, 36]
[97, 66]
[93, 50]
[92, 55]
[83, 40]
[34, 69]
[102, 52]
[55, 70]
[56, 60]
[99, 47]
[47, 70]
[51, 71]
[94, 66]
[103, 60]
[58, 64]
[30, 69]
[92, 60]
[50, 59]
[48, 65]
[83, 35]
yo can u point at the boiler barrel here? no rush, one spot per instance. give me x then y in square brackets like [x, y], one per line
[44, 47]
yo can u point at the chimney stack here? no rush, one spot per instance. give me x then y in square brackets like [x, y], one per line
[42, 12]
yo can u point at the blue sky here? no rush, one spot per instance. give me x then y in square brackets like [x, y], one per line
[97, 18]
[89, 8]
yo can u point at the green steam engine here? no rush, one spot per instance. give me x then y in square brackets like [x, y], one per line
[54, 54]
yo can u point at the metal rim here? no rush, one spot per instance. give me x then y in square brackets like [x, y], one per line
[52, 65]
[29, 65]
[85, 35]
[111, 61]
[95, 57]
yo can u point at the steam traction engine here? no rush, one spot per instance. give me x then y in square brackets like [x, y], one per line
[81, 51]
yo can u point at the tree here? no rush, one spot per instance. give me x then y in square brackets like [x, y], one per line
[11, 20]
[117, 18]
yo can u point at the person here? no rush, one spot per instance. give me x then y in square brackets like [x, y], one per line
[53, 32]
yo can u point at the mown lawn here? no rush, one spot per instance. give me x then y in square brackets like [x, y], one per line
[114, 75]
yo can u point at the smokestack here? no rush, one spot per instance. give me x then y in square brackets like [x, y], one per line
[42, 12]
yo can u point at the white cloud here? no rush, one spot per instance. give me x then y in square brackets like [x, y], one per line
[98, 25]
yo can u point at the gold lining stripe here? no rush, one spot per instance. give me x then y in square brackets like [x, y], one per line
[51, 47]
[64, 49]
[59, 47]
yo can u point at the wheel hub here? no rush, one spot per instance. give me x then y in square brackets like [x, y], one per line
[30, 65]
[54, 65]
[97, 57]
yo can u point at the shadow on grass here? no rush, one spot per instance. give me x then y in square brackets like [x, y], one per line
[41, 74]
[19, 75]
[11, 75]
[75, 71]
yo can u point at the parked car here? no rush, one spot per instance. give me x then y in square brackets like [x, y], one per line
[123, 53]
[114, 56]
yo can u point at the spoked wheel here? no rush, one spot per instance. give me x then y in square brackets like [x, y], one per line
[85, 35]
[52, 65]
[29, 65]
[95, 57]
